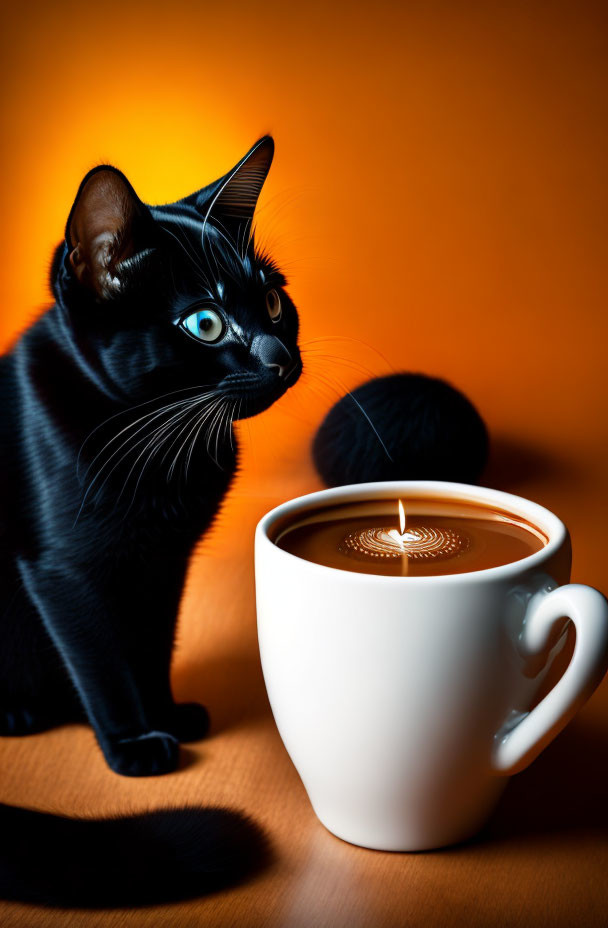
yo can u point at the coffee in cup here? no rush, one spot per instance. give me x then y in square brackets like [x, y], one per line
[410, 537]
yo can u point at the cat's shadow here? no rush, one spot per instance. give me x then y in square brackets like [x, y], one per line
[563, 790]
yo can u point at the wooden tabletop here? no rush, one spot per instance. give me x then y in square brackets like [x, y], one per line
[542, 859]
[438, 193]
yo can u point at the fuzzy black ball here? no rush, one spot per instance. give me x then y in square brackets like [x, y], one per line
[401, 427]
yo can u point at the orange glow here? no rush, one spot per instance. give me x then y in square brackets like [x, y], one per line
[438, 194]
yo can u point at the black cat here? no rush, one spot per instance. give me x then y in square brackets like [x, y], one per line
[117, 411]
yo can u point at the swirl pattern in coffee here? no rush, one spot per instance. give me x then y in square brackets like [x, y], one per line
[426, 542]
[440, 537]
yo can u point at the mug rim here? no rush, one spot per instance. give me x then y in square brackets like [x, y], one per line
[543, 518]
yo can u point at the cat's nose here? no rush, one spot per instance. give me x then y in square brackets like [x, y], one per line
[273, 353]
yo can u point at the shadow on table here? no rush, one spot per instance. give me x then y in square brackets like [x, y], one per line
[512, 463]
[231, 685]
[562, 790]
[565, 786]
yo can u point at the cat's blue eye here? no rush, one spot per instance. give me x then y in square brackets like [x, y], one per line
[205, 324]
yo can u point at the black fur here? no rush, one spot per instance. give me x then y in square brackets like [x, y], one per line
[401, 427]
[106, 487]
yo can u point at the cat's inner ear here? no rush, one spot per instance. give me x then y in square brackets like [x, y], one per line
[103, 229]
[234, 200]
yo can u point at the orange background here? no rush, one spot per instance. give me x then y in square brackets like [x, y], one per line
[438, 193]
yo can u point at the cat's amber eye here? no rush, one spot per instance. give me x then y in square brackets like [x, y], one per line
[204, 324]
[273, 305]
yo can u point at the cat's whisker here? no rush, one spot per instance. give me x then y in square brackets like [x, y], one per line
[190, 254]
[226, 435]
[280, 201]
[277, 241]
[131, 445]
[228, 419]
[205, 402]
[177, 440]
[233, 441]
[230, 248]
[341, 386]
[132, 409]
[293, 264]
[348, 338]
[246, 238]
[124, 412]
[164, 429]
[215, 424]
[173, 431]
[199, 424]
[242, 423]
[228, 240]
[284, 409]
[157, 443]
[100, 470]
[240, 238]
[219, 430]
[215, 431]
[206, 433]
[316, 391]
[213, 405]
[314, 355]
[205, 237]
[208, 428]
[196, 260]
[166, 434]
[147, 419]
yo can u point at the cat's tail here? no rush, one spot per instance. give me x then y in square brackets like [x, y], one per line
[153, 857]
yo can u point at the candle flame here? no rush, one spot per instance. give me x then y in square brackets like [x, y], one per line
[401, 518]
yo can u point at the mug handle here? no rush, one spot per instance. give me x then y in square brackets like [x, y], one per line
[515, 746]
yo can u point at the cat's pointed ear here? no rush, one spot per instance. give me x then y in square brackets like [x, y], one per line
[104, 229]
[233, 199]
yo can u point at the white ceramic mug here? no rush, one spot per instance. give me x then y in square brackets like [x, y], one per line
[404, 702]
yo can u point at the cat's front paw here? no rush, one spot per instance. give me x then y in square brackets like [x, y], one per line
[188, 721]
[147, 755]
[22, 721]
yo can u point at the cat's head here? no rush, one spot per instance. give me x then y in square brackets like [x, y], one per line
[178, 296]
